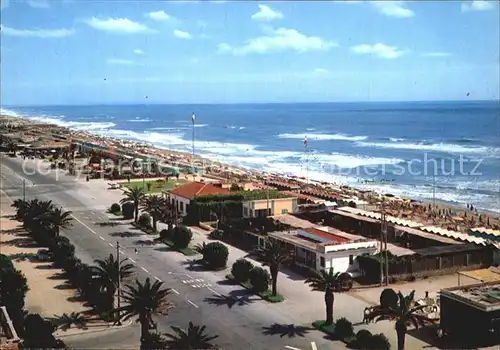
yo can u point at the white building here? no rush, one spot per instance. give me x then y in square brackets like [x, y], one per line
[320, 249]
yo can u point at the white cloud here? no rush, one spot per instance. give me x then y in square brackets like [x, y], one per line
[266, 14]
[160, 16]
[477, 5]
[139, 52]
[38, 4]
[279, 40]
[435, 54]
[181, 34]
[119, 61]
[117, 25]
[379, 50]
[36, 33]
[393, 8]
[321, 71]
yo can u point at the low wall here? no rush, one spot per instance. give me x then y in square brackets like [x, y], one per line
[207, 225]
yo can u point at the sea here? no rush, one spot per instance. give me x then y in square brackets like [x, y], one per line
[443, 151]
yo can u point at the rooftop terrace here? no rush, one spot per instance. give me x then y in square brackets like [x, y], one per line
[482, 296]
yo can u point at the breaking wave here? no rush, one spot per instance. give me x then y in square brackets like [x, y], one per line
[323, 137]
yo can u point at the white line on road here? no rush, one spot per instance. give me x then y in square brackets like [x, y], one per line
[313, 345]
[189, 301]
[88, 228]
[110, 244]
[144, 269]
[121, 252]
[159, 280]
[132, 260]
[213, 291]
[101, 237]
[291, 347]
[176, 292]
[189, 276]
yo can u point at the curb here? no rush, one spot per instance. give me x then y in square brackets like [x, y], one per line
[95, 331]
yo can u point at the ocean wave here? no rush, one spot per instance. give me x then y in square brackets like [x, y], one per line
[438, 147]
[139, 120]
[348, 161]
[322, 137]
[9, 113]
[396, 139]
[80, 126]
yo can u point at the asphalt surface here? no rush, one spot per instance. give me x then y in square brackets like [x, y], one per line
[241, 325]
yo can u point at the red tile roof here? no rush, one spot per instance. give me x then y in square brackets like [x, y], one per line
[198, 189]
[323, 234]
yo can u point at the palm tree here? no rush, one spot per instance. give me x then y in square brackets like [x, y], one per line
[143, 301]
[57, 219]
[35, 210]
[21, 207]
[170, 215]
[403, 311]
[327, 282]
[194, 337]
[274, 253]
[134, 195]
[65, 321]
[155, 206]
[109, 274]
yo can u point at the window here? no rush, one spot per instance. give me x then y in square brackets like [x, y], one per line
[351, 259]
[322, 261]
[284, 211]
[245, 211]
[182, 206]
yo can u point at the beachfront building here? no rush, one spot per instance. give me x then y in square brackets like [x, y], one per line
[479, 304]
[181, 196]
[318, 249]
[255, 208]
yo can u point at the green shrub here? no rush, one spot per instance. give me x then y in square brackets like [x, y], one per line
[216, 234]
[389, 298]
[144, 220]
[128, 209]
[363, 339]
[215, 255]
[259, 278]
[241, 270]
[343, 328]
[182, 236]
[115, 208]
[166, 234]
[379, 342]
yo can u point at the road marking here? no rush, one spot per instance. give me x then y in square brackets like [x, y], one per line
[159, 280]
[189, 276]
[313, 345]
[199, 280]
[101, 238]
[88, 228]
[189, 301]
[213, 291]
[132, 260]
[121, 252]
[291, 347]
[144, 269]
[173, 290]
[110, 244]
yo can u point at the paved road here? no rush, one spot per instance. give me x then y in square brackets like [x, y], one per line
[241, 325]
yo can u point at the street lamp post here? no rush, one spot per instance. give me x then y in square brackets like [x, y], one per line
[119, 291]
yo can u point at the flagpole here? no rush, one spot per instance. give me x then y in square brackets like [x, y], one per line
[306, 144]
[193, 118]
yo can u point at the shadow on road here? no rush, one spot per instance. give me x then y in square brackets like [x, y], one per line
[22, 242]
[109, 223]
[286, 330]
[229, 300]
[126, 234]
[146, 242]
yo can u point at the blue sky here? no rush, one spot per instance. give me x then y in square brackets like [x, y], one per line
[80, 52]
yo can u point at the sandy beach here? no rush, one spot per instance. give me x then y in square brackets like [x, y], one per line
[441, 214]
